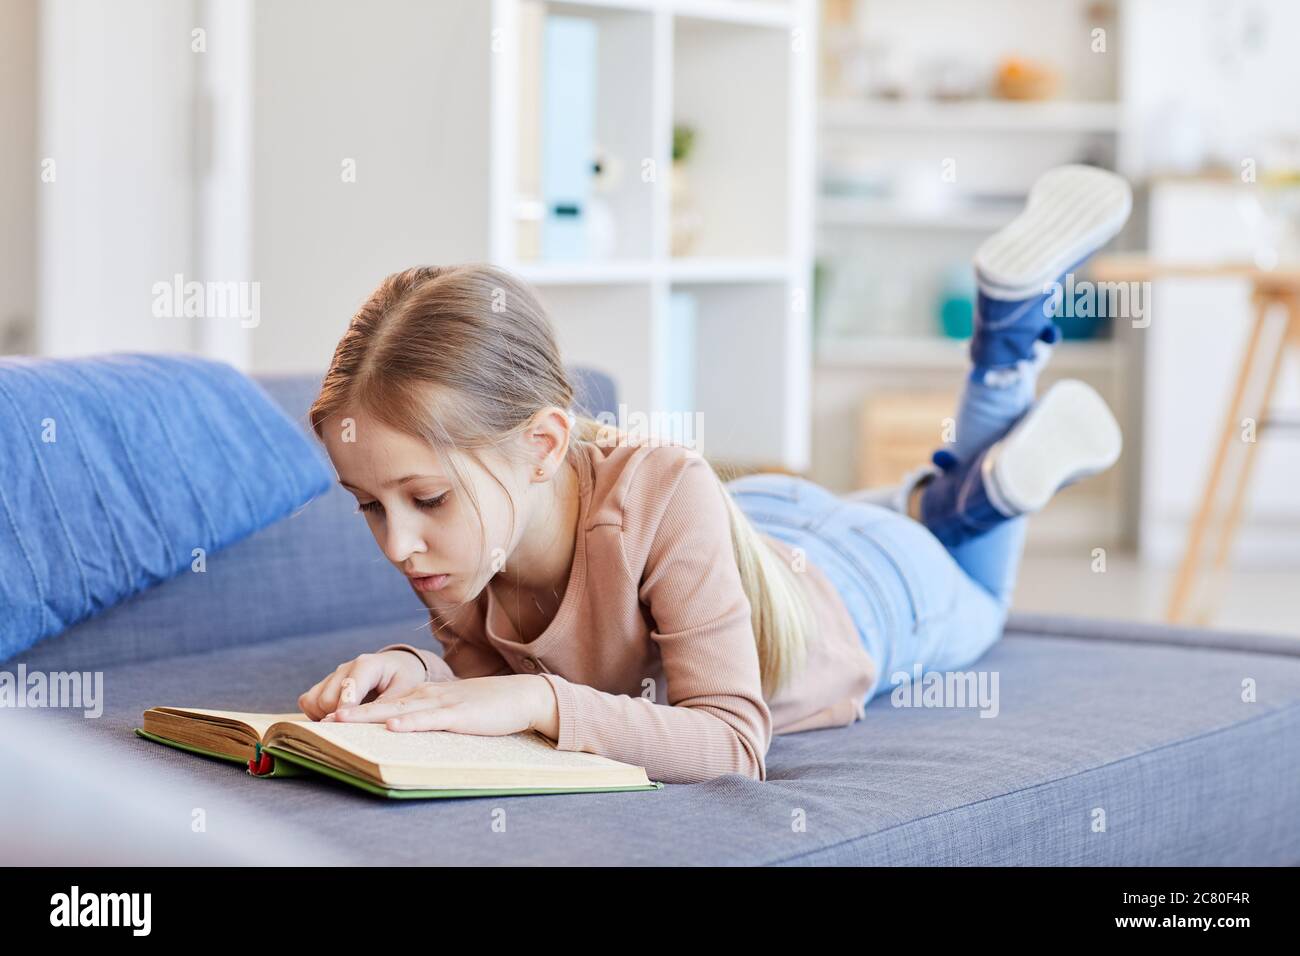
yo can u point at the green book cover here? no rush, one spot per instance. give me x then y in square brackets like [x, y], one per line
[279, 770]
[287, 764]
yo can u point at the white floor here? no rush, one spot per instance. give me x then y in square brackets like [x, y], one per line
[1252, 600]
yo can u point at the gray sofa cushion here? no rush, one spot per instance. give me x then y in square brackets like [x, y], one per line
[1154, 734]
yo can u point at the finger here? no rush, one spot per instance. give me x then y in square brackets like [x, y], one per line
[438, 718]
[396, 691]
[378, 710]
[327, 699]
[368, 673]
[356, 681]
[357, 676]
[310, 702]
[348, 691]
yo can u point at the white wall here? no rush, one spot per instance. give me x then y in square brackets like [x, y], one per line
[225, 164]
[18, 173]
[116, 119]
[223, 167]
[1209, 81]
[399, 86]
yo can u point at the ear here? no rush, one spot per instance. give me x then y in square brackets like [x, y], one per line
[547, 438]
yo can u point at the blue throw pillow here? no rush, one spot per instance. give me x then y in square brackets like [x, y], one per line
[116, 468]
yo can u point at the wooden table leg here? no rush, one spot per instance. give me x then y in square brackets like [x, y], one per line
[1177, 609]
[1228, 529]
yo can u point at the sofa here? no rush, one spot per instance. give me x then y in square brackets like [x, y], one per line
[1115, 743]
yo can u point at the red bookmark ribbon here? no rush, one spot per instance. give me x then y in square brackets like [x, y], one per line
[262, 764]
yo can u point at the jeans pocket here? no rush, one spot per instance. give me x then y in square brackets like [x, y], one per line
[927, 572]
[885, 554]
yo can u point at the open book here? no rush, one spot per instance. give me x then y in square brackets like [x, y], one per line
[411, 764]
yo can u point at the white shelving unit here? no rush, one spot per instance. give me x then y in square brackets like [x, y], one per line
[741, 73]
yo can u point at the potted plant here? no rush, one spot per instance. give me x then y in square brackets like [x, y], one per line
[686, 219]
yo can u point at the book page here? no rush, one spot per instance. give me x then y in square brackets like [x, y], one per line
[258, 722]
[436, 748]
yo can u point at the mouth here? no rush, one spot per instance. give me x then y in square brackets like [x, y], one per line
[429, 582]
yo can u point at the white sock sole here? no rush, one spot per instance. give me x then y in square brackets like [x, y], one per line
[1071, 212]
[1069, 434]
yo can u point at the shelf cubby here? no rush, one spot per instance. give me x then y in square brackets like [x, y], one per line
[623, 125]
[609, 326]
[732, 70]
[750, 390]
[732, 85]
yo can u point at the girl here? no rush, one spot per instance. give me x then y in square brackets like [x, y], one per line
[614, 595]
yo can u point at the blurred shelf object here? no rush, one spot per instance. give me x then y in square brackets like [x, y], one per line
[1048, 116]
[683, 269]
[898, 431]
[981, 217]
[706, 269]
[770, 13]
[939, 353]
[606, 271]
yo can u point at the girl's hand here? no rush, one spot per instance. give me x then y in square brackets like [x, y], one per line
[389, 674]
[488, 706]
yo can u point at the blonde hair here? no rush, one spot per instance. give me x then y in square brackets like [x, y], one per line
[463, 357]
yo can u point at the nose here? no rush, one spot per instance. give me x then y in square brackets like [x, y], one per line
[402, 539]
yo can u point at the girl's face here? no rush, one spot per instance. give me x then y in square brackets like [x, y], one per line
[423, 525]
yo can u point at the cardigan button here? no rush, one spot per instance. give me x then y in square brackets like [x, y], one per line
[530, 664]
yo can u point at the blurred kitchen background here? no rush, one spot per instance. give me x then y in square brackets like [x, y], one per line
[758, 211]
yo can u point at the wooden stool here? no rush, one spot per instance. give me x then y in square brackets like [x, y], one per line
[1280, 289]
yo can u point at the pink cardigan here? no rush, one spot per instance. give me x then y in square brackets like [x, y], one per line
[651, 655]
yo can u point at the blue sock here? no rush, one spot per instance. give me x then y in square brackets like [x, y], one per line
[955, 503]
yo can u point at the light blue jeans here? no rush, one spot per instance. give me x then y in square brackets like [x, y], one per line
[914, 601]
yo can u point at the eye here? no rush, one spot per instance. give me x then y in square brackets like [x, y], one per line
[425, 504]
